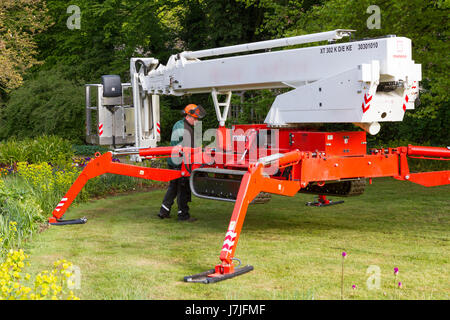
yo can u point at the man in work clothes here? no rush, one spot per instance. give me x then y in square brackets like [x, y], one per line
[182, 134]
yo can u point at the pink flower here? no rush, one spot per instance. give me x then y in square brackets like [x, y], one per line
[395, 270]
[344, 254]
[354, 286]
[400, 285]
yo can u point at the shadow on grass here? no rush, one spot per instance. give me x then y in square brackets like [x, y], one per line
[384, 208]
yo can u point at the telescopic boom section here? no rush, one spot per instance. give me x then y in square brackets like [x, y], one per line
[434, 152]
[427, 179]
[269, 44]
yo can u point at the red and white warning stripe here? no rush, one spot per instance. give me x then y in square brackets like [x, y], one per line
[158, 128]
[61, 204]
[366, 103]
[229, 241]
[404, 105]
[100, 129]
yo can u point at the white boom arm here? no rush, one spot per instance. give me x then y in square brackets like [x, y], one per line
[362, 82]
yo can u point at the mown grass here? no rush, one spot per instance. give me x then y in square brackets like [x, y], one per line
[126, 252]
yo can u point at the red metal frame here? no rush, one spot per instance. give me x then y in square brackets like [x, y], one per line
[104, 164]
[311, 156]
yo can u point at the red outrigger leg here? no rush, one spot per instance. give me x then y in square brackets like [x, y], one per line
[252, 184]
[104, 164]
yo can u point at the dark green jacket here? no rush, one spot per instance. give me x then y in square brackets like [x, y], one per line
[182, 134]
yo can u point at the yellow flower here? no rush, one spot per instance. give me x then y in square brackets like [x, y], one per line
[26, 290]
[45, 285]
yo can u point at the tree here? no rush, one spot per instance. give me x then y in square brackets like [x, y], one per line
[208, 23]
[111, 32]
[47, 103]
[20, 21]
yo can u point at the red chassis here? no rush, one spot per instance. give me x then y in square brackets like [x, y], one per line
[301, 158]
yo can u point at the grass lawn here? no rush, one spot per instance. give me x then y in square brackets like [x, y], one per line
[126, 252]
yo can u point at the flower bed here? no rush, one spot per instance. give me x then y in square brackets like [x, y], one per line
[34, 176]
[29, 193]
[30, 187]
[15, 284]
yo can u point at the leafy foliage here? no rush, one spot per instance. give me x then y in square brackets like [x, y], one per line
[47, 104]
[17, 206]
[20, 21]
[113, 31]
[88, 150]
[51, 149]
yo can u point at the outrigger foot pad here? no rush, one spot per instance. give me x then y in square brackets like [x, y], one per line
[210, 276]
[61, 222]
[323, 204]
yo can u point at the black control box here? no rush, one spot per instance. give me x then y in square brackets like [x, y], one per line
[112, 86]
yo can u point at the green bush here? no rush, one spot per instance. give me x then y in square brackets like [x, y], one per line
[12, 151]
[48, 103]
[29, 195]
[42, 149]
[88, 150]
[111, 183]
[20, 213]
[47, 184]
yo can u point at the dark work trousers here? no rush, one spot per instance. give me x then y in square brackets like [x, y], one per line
[180, 189]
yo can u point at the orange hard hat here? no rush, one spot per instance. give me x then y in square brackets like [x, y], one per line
[195, 111]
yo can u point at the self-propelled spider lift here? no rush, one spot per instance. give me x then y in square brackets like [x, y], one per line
[364, 82]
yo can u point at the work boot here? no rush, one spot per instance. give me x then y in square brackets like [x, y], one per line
[186, 217]
[163, 213]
